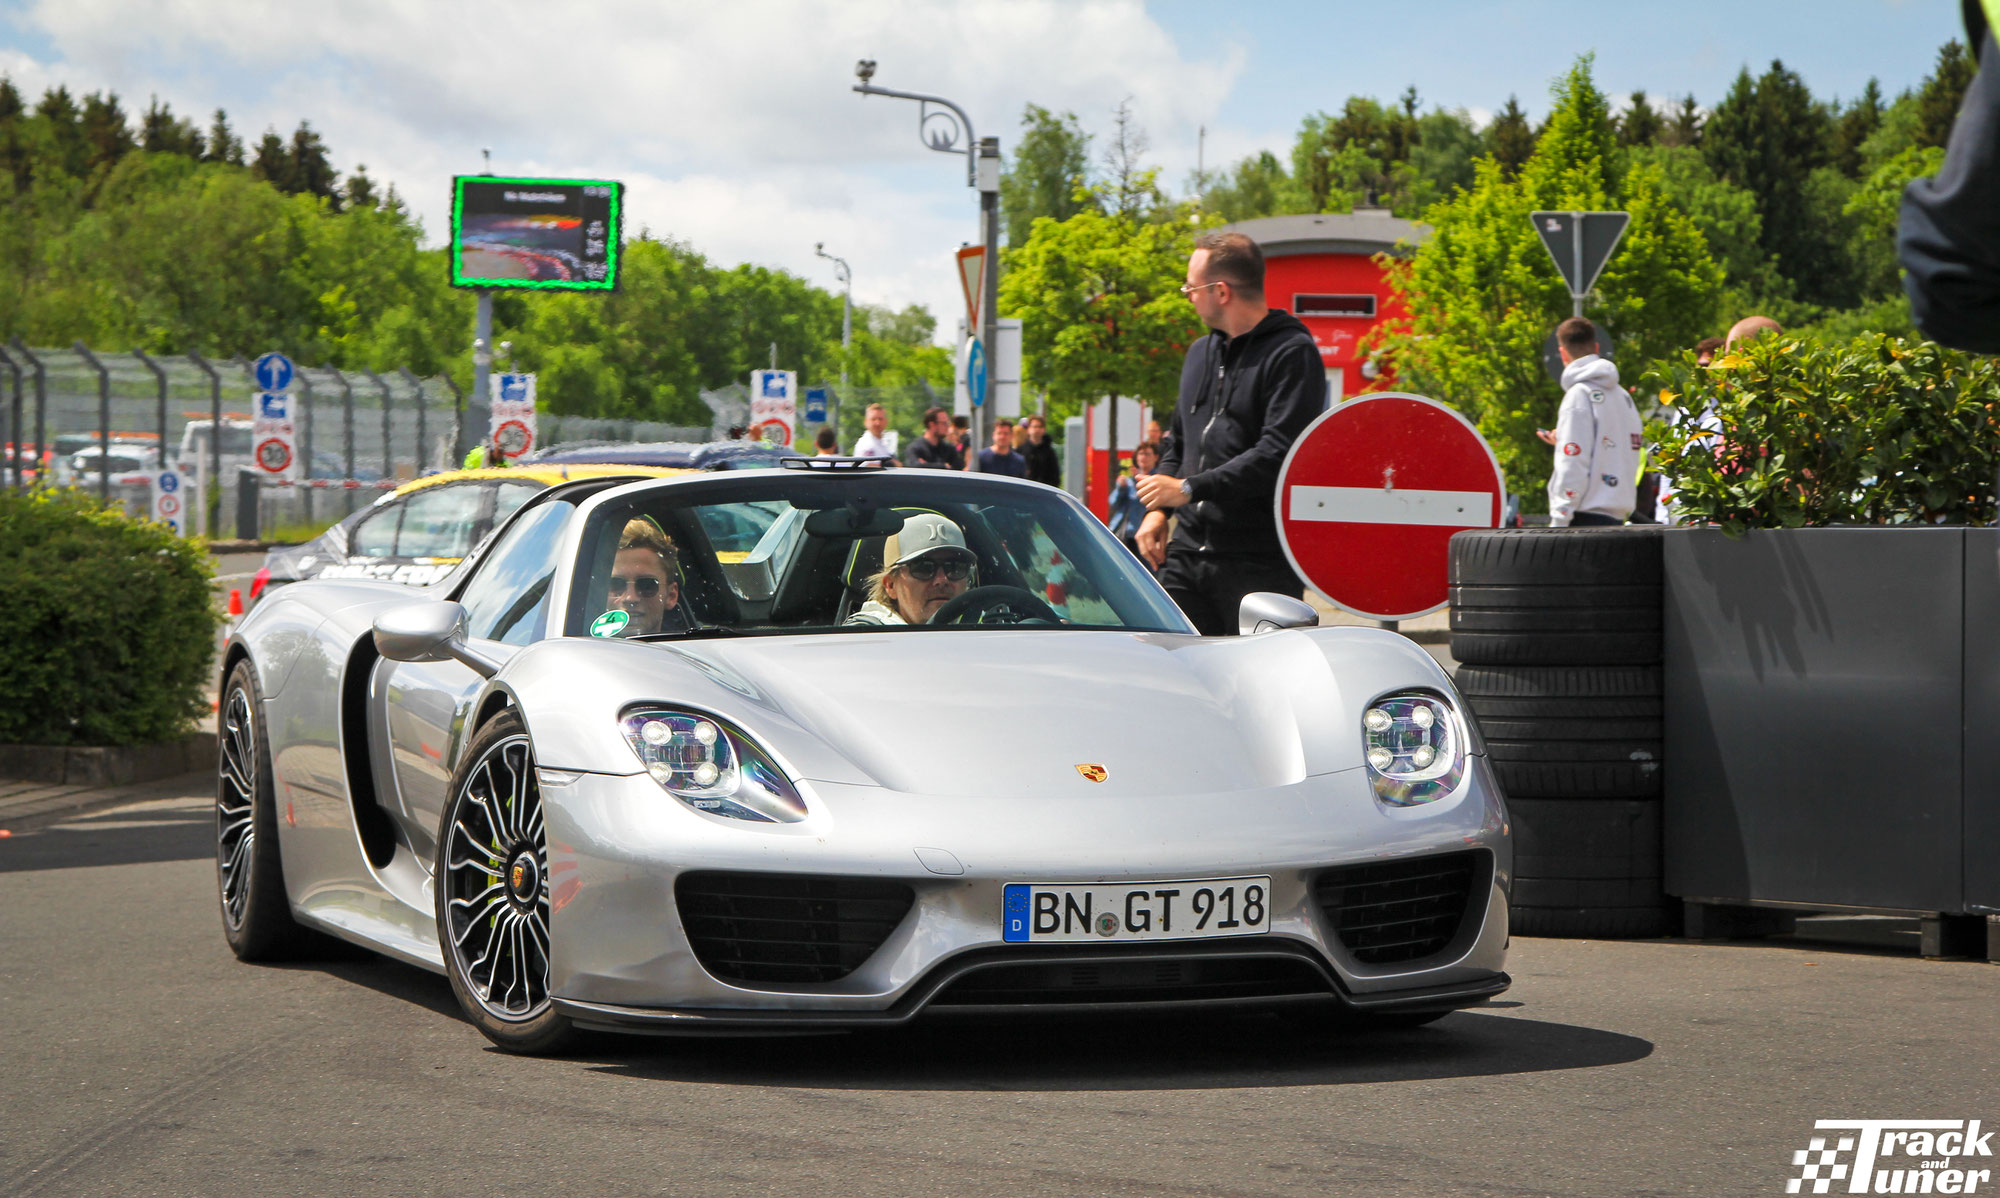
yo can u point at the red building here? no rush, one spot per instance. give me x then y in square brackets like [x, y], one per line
[1322, 270]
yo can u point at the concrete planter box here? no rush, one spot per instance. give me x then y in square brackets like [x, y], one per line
[1833, 717]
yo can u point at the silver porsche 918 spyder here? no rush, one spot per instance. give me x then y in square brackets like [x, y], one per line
[924, 742]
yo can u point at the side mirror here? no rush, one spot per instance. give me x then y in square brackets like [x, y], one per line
[428, 632]
[1263, 611]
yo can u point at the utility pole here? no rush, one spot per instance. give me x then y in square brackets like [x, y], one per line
[948, 130]
[846, 328]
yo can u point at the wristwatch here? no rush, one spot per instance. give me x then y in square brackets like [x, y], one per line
[1187, 489]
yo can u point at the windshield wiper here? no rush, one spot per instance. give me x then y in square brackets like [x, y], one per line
[690, 634]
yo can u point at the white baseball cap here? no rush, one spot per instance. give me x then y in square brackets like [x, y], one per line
[921, 534]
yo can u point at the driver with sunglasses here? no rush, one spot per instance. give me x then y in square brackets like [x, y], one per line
[642, 580]
[928, 566]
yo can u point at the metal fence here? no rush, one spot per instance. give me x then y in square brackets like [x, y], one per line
[358, 430]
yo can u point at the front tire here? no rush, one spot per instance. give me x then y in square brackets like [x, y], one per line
[493, 895]
[250, 877]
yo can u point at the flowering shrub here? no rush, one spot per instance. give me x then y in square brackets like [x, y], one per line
[1784, 433]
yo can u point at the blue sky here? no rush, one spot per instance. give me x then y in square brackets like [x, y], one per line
[735, 130]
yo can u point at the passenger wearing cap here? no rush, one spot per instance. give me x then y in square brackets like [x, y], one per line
[928, 566]
[642, 580]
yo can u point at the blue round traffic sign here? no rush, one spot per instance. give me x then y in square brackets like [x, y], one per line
[169, 481]
[274, 372]
[975, 373]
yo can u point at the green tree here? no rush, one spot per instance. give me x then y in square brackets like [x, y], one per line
[223, 144]
[1725, 214]
[1509, 140]
[1440, 161]
[1640, 125]
[1941, 94]
[1099, 307]
[1769, 136]
[161, 132]
[1683, 125]
[1856, 124]
[1048, 167]
[103, 126]
[1483, 294]
[1255, 187]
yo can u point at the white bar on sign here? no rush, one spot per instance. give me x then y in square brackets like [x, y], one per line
[1376, 505]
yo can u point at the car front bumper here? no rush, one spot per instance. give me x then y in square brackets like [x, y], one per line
[620, 957]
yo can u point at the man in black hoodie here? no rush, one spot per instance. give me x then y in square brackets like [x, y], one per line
[1248, 390]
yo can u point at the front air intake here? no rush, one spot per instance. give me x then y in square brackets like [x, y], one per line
[1392, 912]
[789, 929]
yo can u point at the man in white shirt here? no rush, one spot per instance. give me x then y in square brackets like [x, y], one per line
[1598, 437]
[872, 444]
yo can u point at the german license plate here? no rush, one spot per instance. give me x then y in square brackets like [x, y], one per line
[1066, 912]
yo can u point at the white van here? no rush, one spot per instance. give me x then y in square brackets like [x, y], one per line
[235, 448]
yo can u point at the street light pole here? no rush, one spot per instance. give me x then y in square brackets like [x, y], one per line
[941, 129]
[846, 327]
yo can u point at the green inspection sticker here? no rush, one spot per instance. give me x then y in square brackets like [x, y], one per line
[611, 623]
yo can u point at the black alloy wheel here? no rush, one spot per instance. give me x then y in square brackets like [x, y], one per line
[493, 894]
[250, 878]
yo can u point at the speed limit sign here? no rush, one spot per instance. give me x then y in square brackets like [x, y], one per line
[274, 456]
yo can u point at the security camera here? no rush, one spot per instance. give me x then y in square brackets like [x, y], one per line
[506, 347]
[865, 69]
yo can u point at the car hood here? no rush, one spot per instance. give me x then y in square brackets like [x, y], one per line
[1014, 713]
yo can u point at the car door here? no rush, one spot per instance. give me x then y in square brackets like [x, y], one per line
[423, 706]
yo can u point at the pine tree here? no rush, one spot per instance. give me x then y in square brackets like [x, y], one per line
[360, 188]
[1769, 136]
[61, 129]
[161, 132]
[1856, 122]
[272, 163]
[1508, 139]
[312, 168]
[223, 144]
[1683, 128]
[1938, 100]
[1641, 125]
[105, 130]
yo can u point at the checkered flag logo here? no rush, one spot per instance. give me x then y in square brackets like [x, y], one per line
[1817, 1165]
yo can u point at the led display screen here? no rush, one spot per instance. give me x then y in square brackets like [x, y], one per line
[535, 234]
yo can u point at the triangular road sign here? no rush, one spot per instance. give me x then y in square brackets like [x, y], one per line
[972, 275]
[1580, 242]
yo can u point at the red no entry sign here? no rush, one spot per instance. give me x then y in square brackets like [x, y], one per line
[1370, 494]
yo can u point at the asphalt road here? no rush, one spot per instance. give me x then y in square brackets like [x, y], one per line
[141, 1058]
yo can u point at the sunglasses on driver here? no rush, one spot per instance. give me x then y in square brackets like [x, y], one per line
[645, 584]
[955, 567]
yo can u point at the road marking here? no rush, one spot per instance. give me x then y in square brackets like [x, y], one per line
[1378, 505]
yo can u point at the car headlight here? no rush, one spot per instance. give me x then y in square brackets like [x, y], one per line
[1414, 745]
[711, 766]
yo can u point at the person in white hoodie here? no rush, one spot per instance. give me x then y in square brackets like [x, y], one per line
[1598, 437]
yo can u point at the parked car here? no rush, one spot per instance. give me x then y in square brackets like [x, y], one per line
[132, 463]
[418, 533]
[713, 802]
[686, 455]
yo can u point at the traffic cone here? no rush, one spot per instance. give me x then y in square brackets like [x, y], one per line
[235, 601]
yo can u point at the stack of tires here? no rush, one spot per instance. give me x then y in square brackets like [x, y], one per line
[1557, 636]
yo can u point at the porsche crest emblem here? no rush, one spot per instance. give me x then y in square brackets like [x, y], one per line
[520, 877]
[1093, 772]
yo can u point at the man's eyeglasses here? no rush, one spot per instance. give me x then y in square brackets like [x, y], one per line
[645, 584]
[1189, 291]
[926, 568]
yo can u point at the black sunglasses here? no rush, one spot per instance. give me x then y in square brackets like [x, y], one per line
[645, 584]
[926, 568]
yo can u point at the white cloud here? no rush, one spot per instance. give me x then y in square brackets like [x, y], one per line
[734, 124]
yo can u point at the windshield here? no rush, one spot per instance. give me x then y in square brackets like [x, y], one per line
[891, 552]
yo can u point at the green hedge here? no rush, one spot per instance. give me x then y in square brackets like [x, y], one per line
[107, 625]
[1875, 431]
